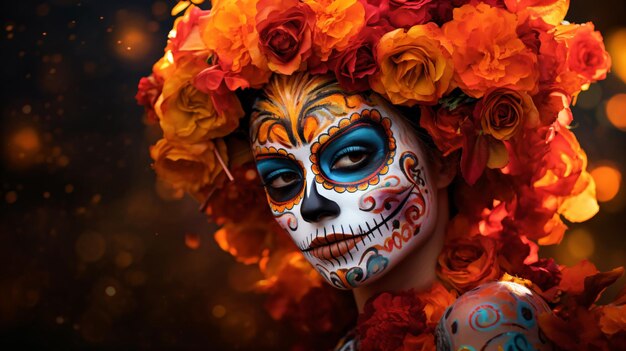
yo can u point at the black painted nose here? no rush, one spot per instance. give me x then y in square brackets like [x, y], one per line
[315, 206]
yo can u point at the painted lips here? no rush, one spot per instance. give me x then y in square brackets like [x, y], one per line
[333, 245]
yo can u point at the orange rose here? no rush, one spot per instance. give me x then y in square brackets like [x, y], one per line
[337, 21]
[230, 31]
[188, 168]
[188, 115]
[414, 66]
[487, 52]
[587, 55]
[504, 111]
[467, 261]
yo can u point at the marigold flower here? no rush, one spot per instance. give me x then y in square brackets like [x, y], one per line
[230, 32]
[190, 167]
[487, 51]
[415, 67]
[285, 33]
[337, 22]
[391, 319]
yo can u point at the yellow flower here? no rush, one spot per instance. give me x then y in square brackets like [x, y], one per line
[188, 115]
[414, 66]
[189, 168]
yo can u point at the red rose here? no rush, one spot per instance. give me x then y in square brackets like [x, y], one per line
[148, 92]
[284, 33]
[388, 319]
[353, 65]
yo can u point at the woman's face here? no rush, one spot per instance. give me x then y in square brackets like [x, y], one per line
[345, 176]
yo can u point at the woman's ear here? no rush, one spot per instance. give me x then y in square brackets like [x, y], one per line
[446, 168]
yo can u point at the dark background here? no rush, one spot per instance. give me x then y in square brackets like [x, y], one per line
[93, 255]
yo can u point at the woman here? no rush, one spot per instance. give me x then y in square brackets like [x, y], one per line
[342, 92]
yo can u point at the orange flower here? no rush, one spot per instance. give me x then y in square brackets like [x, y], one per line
[337, 22]
[436, 300]
[230, 32]
[248, 241]
[188, 115]
[289, 277]
[188, 168]
[613, 319]
[504, 111]
[415, 67]
[488, 52]
[573, 278]
[466, 260]
[445, 126]
[587, 55]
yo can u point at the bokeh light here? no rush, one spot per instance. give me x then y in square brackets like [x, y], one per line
[608, 180]
[616, 111]
[616, 45]
[580, 244]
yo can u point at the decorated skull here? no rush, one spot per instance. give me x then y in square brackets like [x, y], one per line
[345, 175]
[494, 316]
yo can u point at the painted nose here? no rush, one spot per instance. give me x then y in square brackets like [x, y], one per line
[315, 206]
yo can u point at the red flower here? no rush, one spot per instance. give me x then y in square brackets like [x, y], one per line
[587, 55]
[445, 126]
[148, 92]
[390, 319]
[285, 33]
[353, 65]
[407, 13]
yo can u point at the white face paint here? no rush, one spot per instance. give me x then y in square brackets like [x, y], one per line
[345, 176]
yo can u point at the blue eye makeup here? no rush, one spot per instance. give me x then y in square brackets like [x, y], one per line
[281, 176]
[355, 154]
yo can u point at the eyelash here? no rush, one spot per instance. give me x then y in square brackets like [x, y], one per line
[275, 174]
[347, 151]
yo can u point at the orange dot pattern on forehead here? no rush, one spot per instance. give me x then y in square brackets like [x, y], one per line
[295, 109]
[278, 206]
[374, 178]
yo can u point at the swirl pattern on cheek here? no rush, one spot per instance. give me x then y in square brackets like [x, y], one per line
[287, 220]
[415, 207]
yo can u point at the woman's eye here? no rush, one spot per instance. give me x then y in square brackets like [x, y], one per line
[351, 160]
[284, 180]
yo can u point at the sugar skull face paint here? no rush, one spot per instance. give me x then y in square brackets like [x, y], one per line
[345, 176]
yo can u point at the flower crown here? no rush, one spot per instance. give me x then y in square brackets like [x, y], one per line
[493, 79]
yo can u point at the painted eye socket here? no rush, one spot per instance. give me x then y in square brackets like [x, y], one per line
[355, 154]
[282, 177]
[350, 158]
